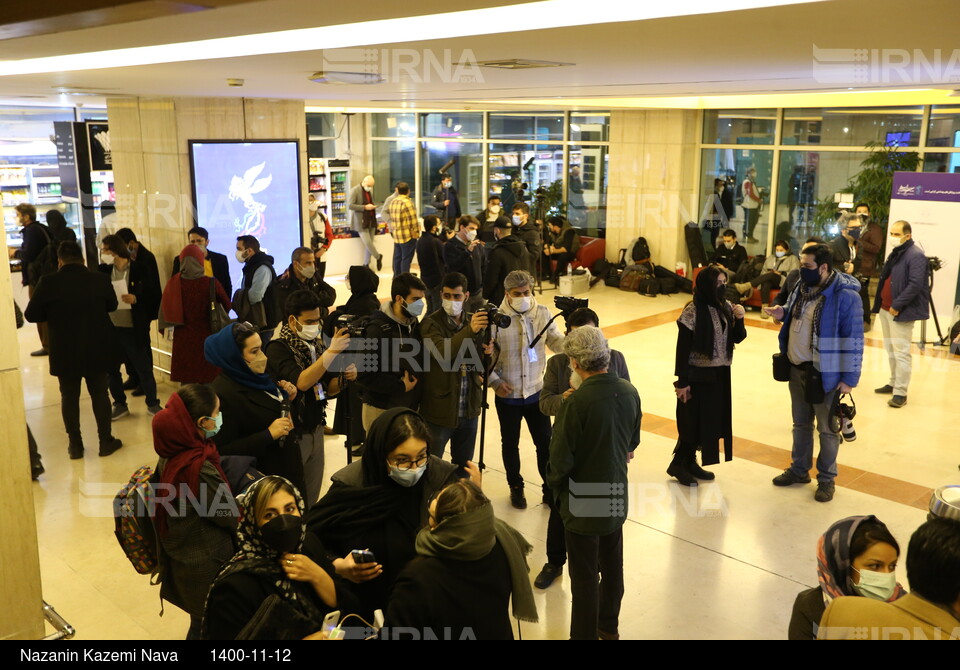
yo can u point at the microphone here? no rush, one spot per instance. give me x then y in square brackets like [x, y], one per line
[526, 166]
[284, 414]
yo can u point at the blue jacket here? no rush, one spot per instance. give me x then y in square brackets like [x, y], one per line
[840, 339]
[907, 268]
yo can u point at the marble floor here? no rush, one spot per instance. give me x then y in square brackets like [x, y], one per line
[723, 561]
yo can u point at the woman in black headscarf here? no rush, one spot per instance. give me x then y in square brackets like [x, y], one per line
[380, 504]
[709, 326]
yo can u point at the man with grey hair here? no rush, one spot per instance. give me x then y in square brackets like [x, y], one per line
[594, 437]
[517, 378]
[363, 219]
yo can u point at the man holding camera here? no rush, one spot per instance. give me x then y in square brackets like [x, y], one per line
[902, 299]
[453, 377]
[517, 378]
[302, 275]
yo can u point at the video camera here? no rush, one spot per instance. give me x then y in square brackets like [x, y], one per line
[494, 316]
[567, 305]
[317, 240]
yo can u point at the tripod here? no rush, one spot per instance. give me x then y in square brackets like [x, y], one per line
[941, 340]
[484, 405]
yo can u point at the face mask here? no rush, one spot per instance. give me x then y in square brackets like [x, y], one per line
[415, 308]
[894, 242]
[259, 364]
[471, 235]
[494, 209]
[452, 307]
[307, 270]
[406, 478]
[876, 585]
[217, 423]
[575, 379]
[780, 254]
[810, 276]
[240, 257]
[522, 304]
[282, 533]
[309, 333]
[107, 259]
[854, 233]
[729, 245]
[132, 251]
[447, 184]
[517, 220]
[368, 189]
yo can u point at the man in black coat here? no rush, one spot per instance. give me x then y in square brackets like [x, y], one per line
[75, 303]
[35, 238]
[302, 274]
[214, 264]
[445, 200]
[508, 254]
[460, 254]
[730, 255]
[430, 259]
[259, 281]
[526, 230]
[488, 217]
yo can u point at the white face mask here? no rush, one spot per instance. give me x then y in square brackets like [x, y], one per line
[240, 257]
[307, 270]
[894, 242]
[876, 585]
[780, 254]
[575, 379]
[453, 308]
[368, 189]
[517, 220]
[471, 235]
[494, 209]
[522, 304]
[107, 259]
[729, 245]
[308, 333]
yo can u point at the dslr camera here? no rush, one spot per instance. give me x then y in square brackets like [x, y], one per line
[494, 316]
[317, 240]
[351, 323]
[567, 305]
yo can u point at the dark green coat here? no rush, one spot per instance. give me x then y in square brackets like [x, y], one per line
[440, 401]
[596, 428]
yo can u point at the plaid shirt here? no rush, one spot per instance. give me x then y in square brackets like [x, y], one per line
[403, 220]
[514, 365]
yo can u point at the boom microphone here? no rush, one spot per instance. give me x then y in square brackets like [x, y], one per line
[446, 166]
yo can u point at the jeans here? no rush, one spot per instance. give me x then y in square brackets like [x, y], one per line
[312, 457]
[540, 429]
[897, 336]
[70, 406]
[767, 282]
[803, 416]
[596, 602]
[141, 357]
[556, 534]
[368, 237]
[462, 440]
[750, 219]
[403, 256]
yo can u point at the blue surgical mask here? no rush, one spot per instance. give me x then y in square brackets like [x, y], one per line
[415, 308]
[406, 478]
[810, 276]
[217, 423]
[780, 254]
[517, 220]
[876, 585]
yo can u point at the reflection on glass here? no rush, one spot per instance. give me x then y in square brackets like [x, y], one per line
[942, 163]
[739, 126]
[466, 171]
[944, 127]
[898, 126]
[392, 162]
[746, 173]
[452, 124]
[393, 125]
[516, 171]
[522, 126]
[592, 127]
[587, 189]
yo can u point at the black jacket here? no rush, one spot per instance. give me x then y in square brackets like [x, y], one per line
[76, 304]
[451, 212]
[731, 259]
[430, 259]
[509, 254]
[841, 254]
[486, 227]
[458, 259]
[363, 297]
[270, 307]
[220, 267]
[247, 414]
[383, 386]
[530, 235]
[284, 287]
[36, 237]
[143, 282]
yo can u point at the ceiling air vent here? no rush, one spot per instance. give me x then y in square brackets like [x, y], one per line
[519, 64]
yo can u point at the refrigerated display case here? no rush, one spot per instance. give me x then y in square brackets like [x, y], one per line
[338, 180]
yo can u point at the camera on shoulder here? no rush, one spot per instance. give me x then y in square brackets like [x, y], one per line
[567, 305]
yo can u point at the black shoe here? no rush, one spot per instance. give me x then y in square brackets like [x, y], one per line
[131, 384]
[694, 469]
[897, 401]
[517, 499]
[107, 448]
[547, 575]
[824, 491]
[681, 474]
[885, 390]
[138, 392]
[119, 411]
[75, 451]
[379, 262]
[787, 478]
[40, 352]
[36, 469]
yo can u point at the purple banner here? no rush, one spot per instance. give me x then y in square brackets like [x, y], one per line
[937, 186]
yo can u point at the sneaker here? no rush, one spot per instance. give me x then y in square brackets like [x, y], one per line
[897, 401]
[745, 288]
[547, 575]
[131, 384]
[517, 499]
[75, 451]
[885, 390]
[824, 492]
[107, 448]
[153, 409]
[40, 352]
[138, 393]
[119, 411]
[788, 478]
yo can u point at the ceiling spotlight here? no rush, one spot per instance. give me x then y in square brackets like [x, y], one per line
[333, 77]
[234, 82]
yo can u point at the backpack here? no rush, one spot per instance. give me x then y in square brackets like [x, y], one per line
[133, 518]
[641, 251]
[631, 278]
[649, 286]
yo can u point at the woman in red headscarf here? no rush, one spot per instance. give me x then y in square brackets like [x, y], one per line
[196, 513]
[185, 307]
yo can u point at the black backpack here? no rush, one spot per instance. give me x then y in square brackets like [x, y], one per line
[641, 251]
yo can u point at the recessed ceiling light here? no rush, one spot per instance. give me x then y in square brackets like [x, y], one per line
[333, 77]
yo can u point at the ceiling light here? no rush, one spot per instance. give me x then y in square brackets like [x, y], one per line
[334, 77]
[543, 15]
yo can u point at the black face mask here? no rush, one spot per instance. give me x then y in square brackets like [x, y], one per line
[282, 533]
[721, 293]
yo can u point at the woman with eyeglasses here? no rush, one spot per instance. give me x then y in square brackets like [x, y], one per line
[256, 409]
[380, 503]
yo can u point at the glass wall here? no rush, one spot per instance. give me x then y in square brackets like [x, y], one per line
[731, 166]
[586, 202]
[739, 126]
[452, 124]
[321, 135]
[589, 127]
[393, 162]
[466, 171]
[943, 129]
[394, 125]
[853, 127]
[522, 126]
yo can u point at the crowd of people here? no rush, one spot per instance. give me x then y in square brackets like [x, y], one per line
[401, 530]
